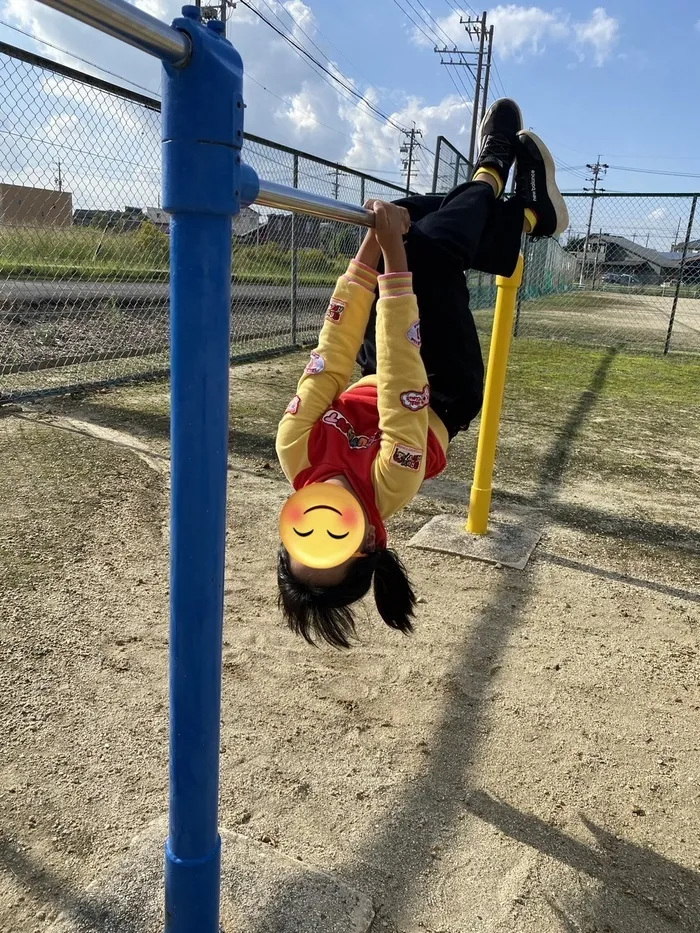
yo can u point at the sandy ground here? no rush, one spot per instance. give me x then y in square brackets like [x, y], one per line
[527, 761]
[617, 317]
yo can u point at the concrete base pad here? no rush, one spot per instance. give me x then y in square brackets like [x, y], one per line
[261, 892]
[505, 544]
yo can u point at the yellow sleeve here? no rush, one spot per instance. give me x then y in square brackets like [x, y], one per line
[330, 366]
[403, 396]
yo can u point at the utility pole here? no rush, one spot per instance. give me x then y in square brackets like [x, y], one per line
[336, 181]
[598, 171]
[487, 73]
[473, 28]
[214, 11]
[59, 178]
[478, 64]
[409, 149]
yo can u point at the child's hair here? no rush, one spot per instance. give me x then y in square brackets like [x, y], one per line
[324, 612]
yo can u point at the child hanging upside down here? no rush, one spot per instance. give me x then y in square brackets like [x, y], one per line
[374, 443]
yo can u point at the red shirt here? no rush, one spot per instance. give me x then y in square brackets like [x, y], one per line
[345, 442]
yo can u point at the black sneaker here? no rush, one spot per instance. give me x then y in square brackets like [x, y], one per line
[536, 184]
[499, 137]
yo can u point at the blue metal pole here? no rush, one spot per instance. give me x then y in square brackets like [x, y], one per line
[202, 180]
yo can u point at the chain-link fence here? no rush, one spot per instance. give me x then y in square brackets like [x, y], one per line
[84, 246]
[451, 168]
[625, 274]
[84, 273]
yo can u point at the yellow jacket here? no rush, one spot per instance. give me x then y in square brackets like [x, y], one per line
[401, 413]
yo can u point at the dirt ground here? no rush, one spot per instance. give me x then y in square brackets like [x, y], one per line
[526, 762]
[617, 317]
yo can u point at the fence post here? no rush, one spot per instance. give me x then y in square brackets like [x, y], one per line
[588, 236]
[436, 165]
[361, 232]
[681, 269]
[523, 284]
[295, 264]
[595, 261]
[205, 130]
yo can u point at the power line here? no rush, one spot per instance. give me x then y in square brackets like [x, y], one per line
[283, 100]
[430, 39]
[651, 171]
[497, 77]
[85, 61]
[88, 152]
[384, 118]
[429, 16]
[456, 9]
[323, 36]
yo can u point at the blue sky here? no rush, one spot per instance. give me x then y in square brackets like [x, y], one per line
[617, 79]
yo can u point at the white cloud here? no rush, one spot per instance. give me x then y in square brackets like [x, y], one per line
[519, 29]
[529, 30]
[658, 214]
[597, 35]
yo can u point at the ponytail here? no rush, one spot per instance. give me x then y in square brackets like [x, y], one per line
[323, 613]
[393, 592]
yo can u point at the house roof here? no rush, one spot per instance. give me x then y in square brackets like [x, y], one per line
[692, 245]
[157, 215]
[644, 253]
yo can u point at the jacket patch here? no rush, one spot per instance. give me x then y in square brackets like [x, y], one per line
[414, 401]
[293, 406]
[341, 423]
[407, 457]
[315, 365]
[413, 334]
[335, 310]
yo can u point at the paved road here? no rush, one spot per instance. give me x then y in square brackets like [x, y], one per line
[35, 290]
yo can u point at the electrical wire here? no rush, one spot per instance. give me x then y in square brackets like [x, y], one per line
[323, 36]
[85, 61]
[376, 112]
[431, 39]
[466, 92]
[429, 16]
[651, 171]
[249, 76]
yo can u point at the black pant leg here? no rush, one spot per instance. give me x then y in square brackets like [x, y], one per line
[501, 239]
[459, 223]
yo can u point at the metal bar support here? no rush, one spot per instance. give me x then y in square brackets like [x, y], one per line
[130, 24]
[480, 501]
[283, 198]
[203, 183]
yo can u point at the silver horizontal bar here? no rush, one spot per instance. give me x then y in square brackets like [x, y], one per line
[302, 202]
[126, 22]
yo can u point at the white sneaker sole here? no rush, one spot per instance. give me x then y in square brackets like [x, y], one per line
[560, 209]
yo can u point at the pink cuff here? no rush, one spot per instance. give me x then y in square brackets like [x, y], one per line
[360, 274]
[395, 284]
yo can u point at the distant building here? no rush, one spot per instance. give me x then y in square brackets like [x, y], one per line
[278, 229]
[693, 246]
[159, 219]
[22, 206]
[623, 257]
[131, 218]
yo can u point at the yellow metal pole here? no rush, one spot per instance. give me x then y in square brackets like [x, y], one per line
[480, 500]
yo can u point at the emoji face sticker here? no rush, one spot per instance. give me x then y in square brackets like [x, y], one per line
[322, 525]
